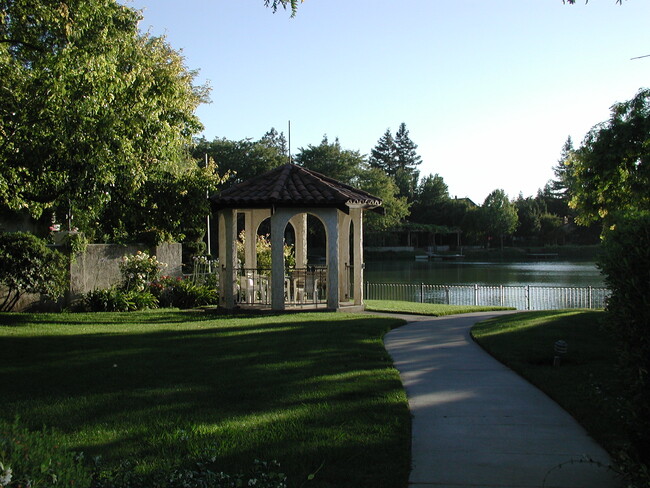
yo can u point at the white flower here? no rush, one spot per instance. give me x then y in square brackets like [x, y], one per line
[5, 475]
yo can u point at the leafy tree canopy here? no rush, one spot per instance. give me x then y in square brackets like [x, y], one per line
[611, 169]
[499, 215]
[89, 106]
[246, 158]
[331, 160]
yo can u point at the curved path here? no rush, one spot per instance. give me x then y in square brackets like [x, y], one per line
[476, 423]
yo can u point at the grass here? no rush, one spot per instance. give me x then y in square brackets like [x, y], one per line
[162, 387]
[398, 306]
[587, 383]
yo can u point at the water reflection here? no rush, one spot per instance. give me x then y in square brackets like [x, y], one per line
[542, 273]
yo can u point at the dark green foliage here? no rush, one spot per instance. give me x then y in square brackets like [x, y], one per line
[37, 459]
[243, 159]
[625, 262]
[116, 299]
[183, 293]
[331, 160]
[397, 157]
[27, 265]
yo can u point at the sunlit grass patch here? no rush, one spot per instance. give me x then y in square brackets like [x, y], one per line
[161, 388]
[437, 310]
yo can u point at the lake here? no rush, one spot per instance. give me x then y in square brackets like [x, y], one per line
[534, 273]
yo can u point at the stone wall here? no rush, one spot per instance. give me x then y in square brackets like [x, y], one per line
[98, 268]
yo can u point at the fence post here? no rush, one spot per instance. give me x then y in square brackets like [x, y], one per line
[501, 295]
[476, 294]
[527, 297]
[448, 297]
[421, 292]
[590, 296]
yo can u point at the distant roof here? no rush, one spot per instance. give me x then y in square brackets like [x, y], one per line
[294, 186]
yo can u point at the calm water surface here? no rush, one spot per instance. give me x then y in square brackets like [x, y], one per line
[541, 273]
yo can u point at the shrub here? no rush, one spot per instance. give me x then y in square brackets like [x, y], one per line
[35, 459]
[115, 299]
[625, 262]
[177, 292]
[27, 265]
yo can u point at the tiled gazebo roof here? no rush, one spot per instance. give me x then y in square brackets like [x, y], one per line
[294, 186]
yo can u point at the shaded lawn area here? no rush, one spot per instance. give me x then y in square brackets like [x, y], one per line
[434, 309]
[587, 384]
[164, 387]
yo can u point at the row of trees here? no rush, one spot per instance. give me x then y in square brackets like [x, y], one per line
[96, 133]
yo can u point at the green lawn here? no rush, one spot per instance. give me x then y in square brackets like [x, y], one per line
[399, 306]
[587, 383]
[162, 387]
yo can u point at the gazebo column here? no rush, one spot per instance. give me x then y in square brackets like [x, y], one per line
[227, 256]
[357, 250]
[252, 220]
[279, 221]
[299, 223]
[329, 217]
[344, 256]
[250, 254]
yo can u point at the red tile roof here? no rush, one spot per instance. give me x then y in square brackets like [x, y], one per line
[293, 186]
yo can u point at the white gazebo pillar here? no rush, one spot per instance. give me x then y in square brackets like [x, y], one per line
[299, 223]
[227, 256]
[329, 216]
[356, 215]
[252, 220]
[344, 256]
[279, 221]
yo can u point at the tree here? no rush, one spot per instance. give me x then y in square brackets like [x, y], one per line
[529, 214]
[611, 170]
[243, 159]
[396, 208]
[431, 200]
[498, 215]
[408, 160]
[275, 4]
[275, 139]
[331, 160]
[88, 106]
[384, 155]
[398, 158]
[563, 171]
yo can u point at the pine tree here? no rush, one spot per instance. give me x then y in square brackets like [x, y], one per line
[407, 155]
[384, 155]
[563, 171]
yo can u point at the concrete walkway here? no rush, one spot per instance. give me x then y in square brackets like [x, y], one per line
[476, 423]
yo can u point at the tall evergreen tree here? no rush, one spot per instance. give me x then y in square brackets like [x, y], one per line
[276, 140]
[397, 157]
[384, 155]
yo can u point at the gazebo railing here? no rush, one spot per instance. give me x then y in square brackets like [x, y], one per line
[301, 285]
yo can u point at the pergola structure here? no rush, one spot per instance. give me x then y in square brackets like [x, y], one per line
[286, 195]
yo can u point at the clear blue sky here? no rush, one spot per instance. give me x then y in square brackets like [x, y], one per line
[489, 89]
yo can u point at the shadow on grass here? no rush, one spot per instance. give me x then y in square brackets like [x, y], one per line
[302, 390]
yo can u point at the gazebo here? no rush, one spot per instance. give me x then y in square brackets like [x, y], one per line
[286, 195]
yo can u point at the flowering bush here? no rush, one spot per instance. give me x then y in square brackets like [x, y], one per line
[139, 269]
[263, 250]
